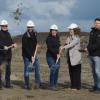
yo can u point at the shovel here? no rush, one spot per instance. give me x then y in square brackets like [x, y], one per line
[56, 65]
[31, 68]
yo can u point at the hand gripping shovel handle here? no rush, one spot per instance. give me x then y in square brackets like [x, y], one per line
[10, 46]
[58, 57]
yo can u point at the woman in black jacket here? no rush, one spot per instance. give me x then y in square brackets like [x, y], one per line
[53, 44]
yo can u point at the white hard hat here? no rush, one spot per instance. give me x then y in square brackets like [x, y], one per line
[30, 23]
[4, 22]
[54, 27]
[72, 26]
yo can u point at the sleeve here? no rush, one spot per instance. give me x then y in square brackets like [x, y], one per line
[1, 47]
[72, 44]
[92, 45]
[7, 41]
[2, 44]
[10, 39]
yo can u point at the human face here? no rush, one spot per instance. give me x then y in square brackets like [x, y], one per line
[54, 33]
[71, 31]
[97, 24]
[30, 29]
[4, 27]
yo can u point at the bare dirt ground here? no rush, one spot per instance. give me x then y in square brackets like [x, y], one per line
[18, 93]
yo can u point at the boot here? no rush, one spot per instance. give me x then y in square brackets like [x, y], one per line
[27, 85]
[8, 84]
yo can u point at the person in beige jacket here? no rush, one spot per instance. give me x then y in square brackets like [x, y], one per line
[72, 46]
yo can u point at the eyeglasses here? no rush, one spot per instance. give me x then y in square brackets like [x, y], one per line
[4, 26]
[29, 27]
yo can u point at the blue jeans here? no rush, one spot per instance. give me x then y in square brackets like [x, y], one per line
[53, 72]
[95, 64]
[36, 66]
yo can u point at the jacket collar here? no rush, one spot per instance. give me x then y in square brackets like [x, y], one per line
[28, 34]
[95, 29]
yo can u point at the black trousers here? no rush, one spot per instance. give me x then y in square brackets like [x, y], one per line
[8, 68]
[75, 75]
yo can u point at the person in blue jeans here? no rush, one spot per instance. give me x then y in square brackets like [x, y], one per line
[29, 44]
[53, 44]
[93, 50]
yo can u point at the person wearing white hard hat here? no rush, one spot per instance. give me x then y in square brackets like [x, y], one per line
[72, 26]
[6, 44]
[53, 44]
[74, 56]
[29, 44]
[30, 24]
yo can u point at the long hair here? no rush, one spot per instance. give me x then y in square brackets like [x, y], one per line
[50, 33]
[77, 32]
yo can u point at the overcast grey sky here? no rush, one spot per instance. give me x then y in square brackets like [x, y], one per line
[47, 12]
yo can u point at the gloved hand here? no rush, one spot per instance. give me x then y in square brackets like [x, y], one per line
[6, 48]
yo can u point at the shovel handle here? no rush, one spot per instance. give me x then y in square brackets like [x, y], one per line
[59, 56]
[57, 59]
[10, 46]
[35, 51]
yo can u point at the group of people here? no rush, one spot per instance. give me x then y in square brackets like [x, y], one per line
[54, 48]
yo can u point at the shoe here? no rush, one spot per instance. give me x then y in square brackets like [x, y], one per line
[27, 87]
[53, 88]
[95, 90]
[8, 86]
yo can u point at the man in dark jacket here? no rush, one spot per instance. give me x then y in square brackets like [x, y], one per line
[94, 53]
[29, 44]
[6, 44]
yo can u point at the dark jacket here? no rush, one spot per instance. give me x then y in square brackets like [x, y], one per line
[29, 42]
[53, 44]
[94, 43]
[5, 40]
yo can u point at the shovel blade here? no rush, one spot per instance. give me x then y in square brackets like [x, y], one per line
[31, 68]
[55, 67]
